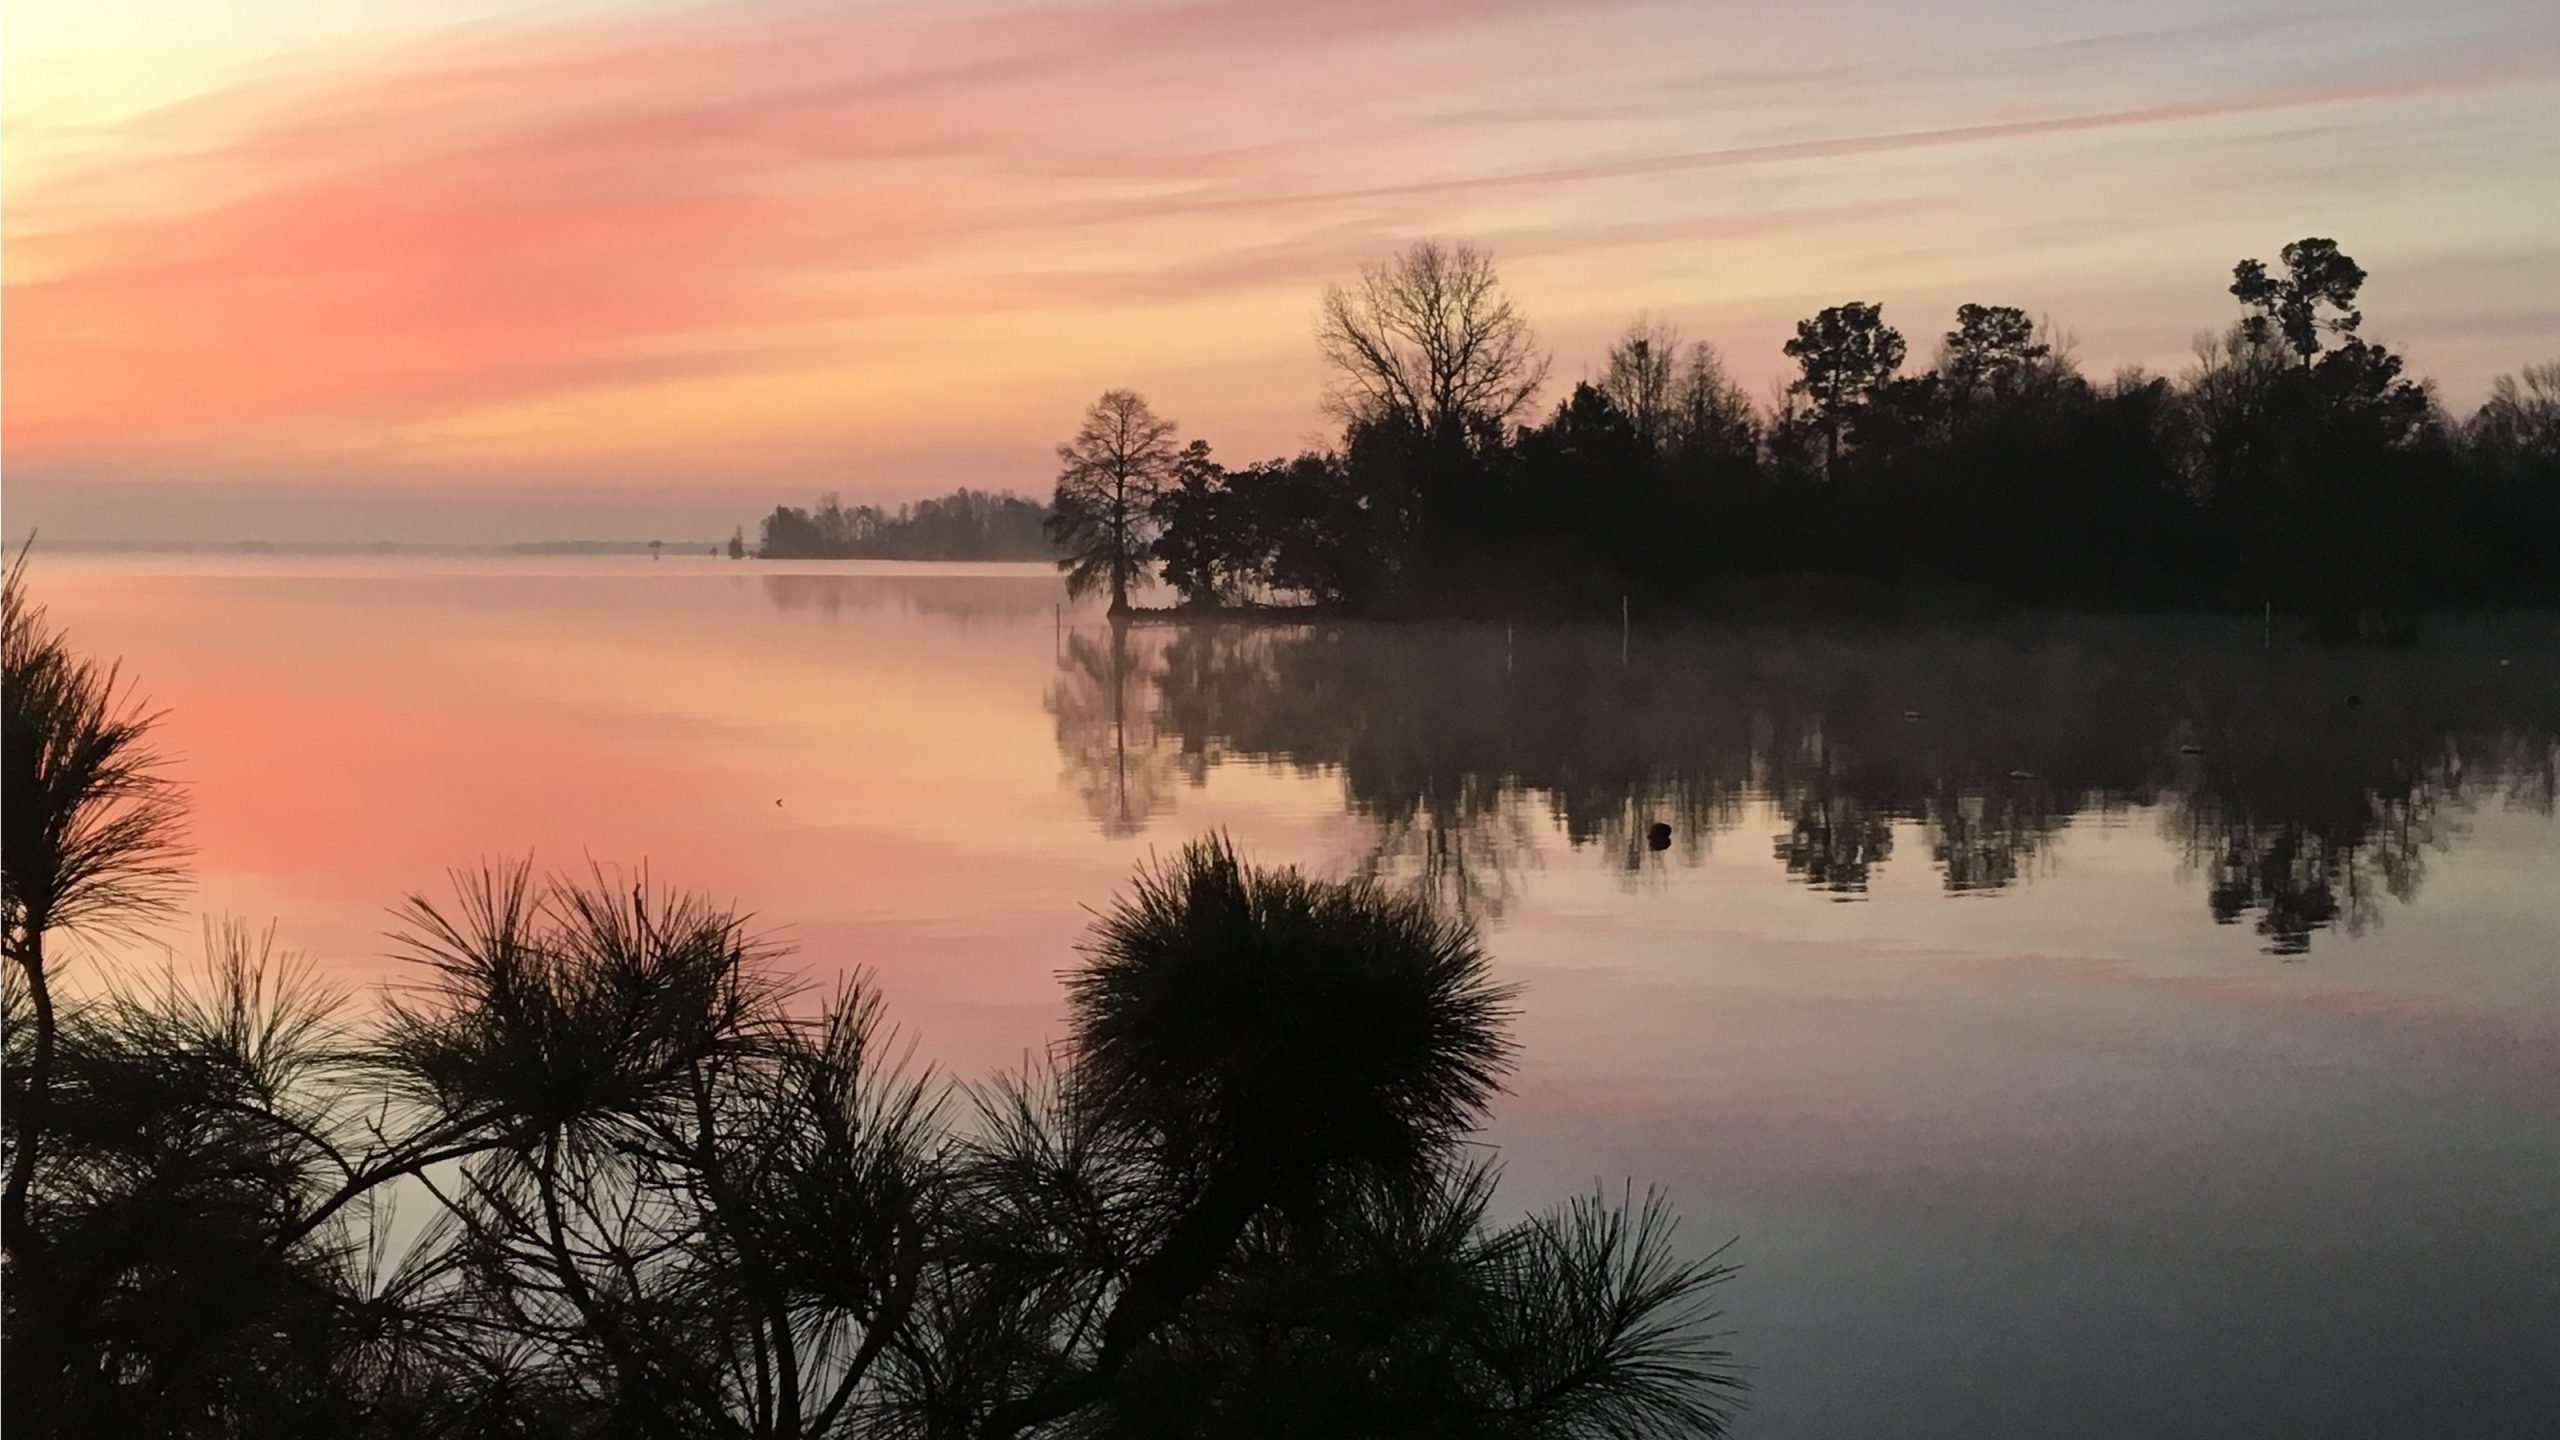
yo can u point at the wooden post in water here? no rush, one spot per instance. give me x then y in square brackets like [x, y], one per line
[2267, 631]
[1506, 647]
[1623, 623]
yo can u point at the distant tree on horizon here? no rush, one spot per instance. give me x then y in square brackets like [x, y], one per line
[963, 525]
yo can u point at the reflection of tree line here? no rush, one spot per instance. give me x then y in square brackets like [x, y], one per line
[968, 599]
[2301, 788]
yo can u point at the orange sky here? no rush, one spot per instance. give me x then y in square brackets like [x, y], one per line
[477, 271]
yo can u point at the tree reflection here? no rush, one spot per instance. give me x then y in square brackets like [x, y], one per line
[964, 599]
[1465, 748]
[1985, 840]
[1467, 850]
[2305, 813]
[1104, 705]
[1837, 838]
[1835, 844]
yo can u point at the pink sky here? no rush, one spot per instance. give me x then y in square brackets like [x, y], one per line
[481, 272]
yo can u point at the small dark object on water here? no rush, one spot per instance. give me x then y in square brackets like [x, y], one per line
[1910, 714]
[1659, 837]
[2354, 701]
[2022, 774]
[2191, 749]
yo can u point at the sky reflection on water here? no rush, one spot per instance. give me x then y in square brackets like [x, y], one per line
[2185, 1061]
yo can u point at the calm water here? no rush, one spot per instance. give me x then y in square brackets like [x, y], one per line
[2089, 1029]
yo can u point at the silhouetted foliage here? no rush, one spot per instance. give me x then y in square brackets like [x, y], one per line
[2287, 307]
[1643, 379]
[1847, 354]
[2296, 468]
[671, 1193]
[1429, 341]
[963, 525]
[91, 836]
[1209, 536]
[1109, 477]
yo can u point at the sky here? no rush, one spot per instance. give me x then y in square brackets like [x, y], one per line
[465, 271]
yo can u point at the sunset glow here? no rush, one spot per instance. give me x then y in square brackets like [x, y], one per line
[485, 272]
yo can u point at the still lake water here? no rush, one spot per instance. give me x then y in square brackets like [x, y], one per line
[2086, 1028]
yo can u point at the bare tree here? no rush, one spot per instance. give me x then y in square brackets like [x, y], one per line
[1643, 372]
[2228, 394]
[1429, 338]
[1710, 414]
[2521, 417]
[1108, 479]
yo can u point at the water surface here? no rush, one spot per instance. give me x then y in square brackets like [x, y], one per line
[2092, 1028]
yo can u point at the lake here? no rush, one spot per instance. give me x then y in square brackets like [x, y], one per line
[2081, 1027]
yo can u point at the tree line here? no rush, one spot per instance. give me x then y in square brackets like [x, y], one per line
[2294, 465]
[963, 525]
[671, 1190]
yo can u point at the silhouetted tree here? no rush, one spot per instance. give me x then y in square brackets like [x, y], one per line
[2258, 479]
[1643, 378]
[2519, 425]
[1302, 1059]
[1319, 540]
[1846, 354]
[1430, 340]
[672, 1195]
[963, 525]
[1211, 549]
[1711, 417]
[1903, 418]
[1988, 357]
[2317, 275]
[1109, 476]
[2230, 404]
[2323, 481]
[91, 835]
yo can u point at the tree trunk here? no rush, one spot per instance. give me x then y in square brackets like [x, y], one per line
[15, 1231]
[1197, 1244]
[1119, 545]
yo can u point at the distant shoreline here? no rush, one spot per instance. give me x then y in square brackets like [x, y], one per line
[339, 548]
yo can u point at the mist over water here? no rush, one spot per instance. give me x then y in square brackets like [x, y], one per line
[2091, 1027]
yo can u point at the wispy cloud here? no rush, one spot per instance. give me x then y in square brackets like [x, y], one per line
[624, 204]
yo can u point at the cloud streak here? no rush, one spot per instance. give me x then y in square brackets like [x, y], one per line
[658, 208]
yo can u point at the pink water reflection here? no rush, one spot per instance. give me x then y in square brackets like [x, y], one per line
[1999, 1166]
